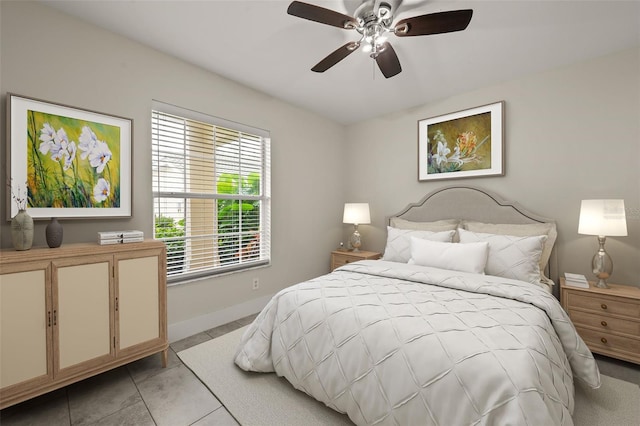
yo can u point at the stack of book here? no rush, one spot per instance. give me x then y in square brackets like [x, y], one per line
[575, 280]
[120, 237]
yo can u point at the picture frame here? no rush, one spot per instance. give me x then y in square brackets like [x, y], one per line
[70, 162]
[462, 144]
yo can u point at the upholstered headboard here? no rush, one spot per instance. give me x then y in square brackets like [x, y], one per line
[474, 204]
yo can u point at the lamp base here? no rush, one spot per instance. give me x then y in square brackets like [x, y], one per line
[355, 240]
[601, 264]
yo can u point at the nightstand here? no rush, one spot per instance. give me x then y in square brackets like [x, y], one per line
[342, 257]
[607, 319]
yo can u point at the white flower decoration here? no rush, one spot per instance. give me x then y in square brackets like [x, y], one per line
[69, 155]
[59, 145]
[47, 134]
[441, 156]
[101, 191]
[455, 157]
[87, 142]
[100, 156]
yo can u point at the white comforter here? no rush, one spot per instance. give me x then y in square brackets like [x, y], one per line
[397, 344]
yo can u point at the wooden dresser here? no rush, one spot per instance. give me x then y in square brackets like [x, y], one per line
[607, 319]
[75, 311]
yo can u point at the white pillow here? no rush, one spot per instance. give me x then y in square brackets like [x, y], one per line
[398, 248]
[521, 230]
[510, 256]
[471, 257]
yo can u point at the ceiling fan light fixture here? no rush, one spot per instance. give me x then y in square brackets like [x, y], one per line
[373, 24]
[401, 29]
[384, 10]
[350, 25]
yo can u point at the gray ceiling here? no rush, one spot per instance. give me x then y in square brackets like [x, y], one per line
[259, 45]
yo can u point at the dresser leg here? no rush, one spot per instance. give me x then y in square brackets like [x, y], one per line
[165, 358]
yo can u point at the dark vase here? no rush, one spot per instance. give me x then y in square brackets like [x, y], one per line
[54, 233]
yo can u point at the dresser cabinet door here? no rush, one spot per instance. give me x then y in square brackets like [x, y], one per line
[83, 319]
[73, 312]
[25, 333]
[139, 296]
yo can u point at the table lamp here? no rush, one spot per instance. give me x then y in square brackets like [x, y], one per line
[357, 214]
[604, 218]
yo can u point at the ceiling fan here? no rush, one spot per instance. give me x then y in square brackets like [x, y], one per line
[373, 20]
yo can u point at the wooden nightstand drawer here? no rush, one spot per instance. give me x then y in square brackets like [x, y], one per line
[341, 258]
[602, 340]
[607, 319]
[605, 322]
[598, 303]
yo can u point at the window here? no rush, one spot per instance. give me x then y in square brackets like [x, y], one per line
[211, 192]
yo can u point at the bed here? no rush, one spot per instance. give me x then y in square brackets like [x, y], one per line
[455, 325]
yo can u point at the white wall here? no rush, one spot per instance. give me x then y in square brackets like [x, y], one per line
[51, 56]
[571, 134]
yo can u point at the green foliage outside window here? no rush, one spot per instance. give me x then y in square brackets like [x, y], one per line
[231, 211]
[236, 238]
[168, 229]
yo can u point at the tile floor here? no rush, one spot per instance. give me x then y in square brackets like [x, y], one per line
[143, 393]
[138, 394]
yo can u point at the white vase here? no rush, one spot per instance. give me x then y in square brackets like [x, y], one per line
[22, 230]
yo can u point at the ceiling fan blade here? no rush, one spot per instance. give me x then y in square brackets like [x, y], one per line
[434, 23]
[388, 61]
[320, 14]
[335, 57]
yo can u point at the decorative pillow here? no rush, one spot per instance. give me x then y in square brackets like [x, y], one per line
[398, 248]
[471, 257]
[510, 256]
[521, 230]
[436, 226]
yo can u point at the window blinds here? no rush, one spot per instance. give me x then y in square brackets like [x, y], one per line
[211, 193]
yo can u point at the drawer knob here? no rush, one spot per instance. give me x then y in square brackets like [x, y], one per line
[604, 323]
[603, 306]
[346, 261]
[603, 340]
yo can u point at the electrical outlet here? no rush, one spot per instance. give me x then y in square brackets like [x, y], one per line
[256, 284]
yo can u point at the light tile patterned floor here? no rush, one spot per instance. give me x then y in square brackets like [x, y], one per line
[139, 394]
[143, 393]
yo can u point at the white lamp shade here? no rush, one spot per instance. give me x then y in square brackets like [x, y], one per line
[603, 217]
[356, 213]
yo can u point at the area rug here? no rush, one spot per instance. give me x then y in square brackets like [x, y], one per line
[266, 399]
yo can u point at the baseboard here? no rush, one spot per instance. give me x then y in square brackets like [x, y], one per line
[183, 329]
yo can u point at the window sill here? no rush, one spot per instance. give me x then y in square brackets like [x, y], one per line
[214, 275]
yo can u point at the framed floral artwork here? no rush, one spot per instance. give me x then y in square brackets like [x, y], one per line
[463, 144]
[73, 163]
